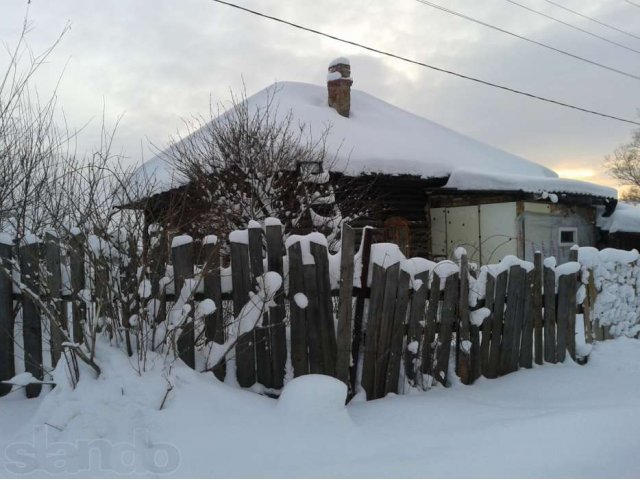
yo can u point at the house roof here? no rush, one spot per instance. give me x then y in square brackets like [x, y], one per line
[381, 138]
[625, 218]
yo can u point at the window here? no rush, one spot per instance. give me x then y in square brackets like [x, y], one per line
[567, 236]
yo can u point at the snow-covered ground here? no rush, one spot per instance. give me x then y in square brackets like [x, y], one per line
[551, 421]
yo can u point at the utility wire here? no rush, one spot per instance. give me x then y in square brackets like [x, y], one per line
[595, 19]
[432, 67]
[526, 39]
[542, 14]
[632, 3]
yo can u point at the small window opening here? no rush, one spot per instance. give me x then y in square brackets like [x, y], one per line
[568, 236]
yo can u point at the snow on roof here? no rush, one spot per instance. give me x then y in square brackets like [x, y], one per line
[625, 218]
[378, 137]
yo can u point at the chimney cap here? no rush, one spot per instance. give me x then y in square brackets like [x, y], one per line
[339, 61]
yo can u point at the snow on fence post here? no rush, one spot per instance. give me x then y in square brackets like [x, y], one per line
[344, 336]
[327, 329]
[277, 313]
[497, 324]
[31, 325]
[299, 351]
[7, 365]
[212, 288]
[54, 295]
[245, 353]
[487, 325]
[428, 348]
[463, 339]
[510, 351]
[549, 315]
[589, 302]
[447, 319]
[415, 330]
[77, 278]
[182, 258]
[373, 322]
[358, 315]
[537, 307]
[262, 334]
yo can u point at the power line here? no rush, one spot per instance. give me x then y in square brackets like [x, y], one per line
[542, 14]
[632, 3]
[526, 39]
[432, 67]
[595, 19]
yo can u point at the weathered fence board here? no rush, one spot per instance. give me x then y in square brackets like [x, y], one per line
[277, 313]
[299, 352]
[344, 340]
[487, 324]
[54, 296]
[510, 348]
[447, 320]
[245, 344]
[385, 328]
[182, 257]
[262, 335]
[549, 315]
[537, 308]
[497, 325]
[31, 325]
[7, 365]
[463, 339]
[397, 333]
[415, 329]
[526, 339]
[428, 343]
[358, 315]
[373, 322]
[326, 325]
[77, 273]
[211, 284]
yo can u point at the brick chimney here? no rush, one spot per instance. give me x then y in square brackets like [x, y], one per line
[339, 85]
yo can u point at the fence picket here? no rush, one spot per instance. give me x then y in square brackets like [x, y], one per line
[54, 296]
[262, 334]
[463, 339]
[299, 351]
[526, 342]
[397, 333]
[31, 324]
[213, 324]
[537, 308]
[77, 274]
[344, 340]
[182, 257]
[326, 325]
[277, 313]
[487, 324]
[497, 325]
[448, 318]
[245, 345]
[549, 315]
[415, 330]
[7, 365]
[372, 335]
[385, 328]
[431, 327]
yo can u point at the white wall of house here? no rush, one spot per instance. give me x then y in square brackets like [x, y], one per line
[491, 231]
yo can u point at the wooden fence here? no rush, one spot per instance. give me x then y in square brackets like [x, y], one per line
[400, 328]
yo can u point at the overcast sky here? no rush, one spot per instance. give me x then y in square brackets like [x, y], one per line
[158, 61]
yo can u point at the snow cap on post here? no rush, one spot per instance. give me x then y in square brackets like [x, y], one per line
[339, 85]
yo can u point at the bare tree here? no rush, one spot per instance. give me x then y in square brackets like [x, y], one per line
[624, 164]
[253, 162]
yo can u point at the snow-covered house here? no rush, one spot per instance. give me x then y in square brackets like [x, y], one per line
[621, 229]
[436, 189]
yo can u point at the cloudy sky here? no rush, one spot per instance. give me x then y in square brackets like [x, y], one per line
[155, 62]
